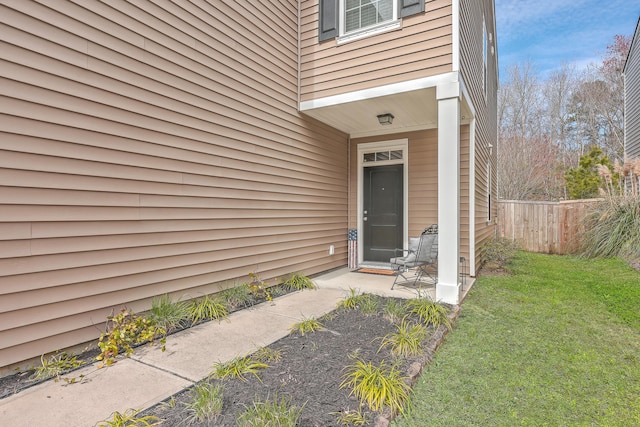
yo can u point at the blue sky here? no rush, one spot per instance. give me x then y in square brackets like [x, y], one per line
[549, 33]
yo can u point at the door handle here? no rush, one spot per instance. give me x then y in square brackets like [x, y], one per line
[364, 219]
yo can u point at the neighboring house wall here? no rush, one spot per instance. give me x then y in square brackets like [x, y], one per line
[149, 149]
[486, 132]
[420, 48]
[632, 98]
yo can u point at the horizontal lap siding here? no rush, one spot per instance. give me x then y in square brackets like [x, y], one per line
[148, 149]
[422, 48]
[423, 180]
[471, 64]
[632, 98]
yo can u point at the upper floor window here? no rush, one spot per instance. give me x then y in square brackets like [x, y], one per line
[362, 14]
[485, 57]
[358, 17]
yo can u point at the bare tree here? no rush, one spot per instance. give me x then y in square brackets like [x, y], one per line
[558, 90]
[597, 104]
[520, 101]
[612, 106]
[527, 159]
[545, 126]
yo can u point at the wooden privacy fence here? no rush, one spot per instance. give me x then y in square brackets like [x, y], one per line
[547, 227]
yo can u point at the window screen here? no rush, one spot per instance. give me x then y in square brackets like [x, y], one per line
[365, 13]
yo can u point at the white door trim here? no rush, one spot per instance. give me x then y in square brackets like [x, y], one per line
[372, 147]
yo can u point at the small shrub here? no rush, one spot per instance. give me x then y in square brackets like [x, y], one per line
[267, 354]
[55, 365]
[167, 314]
[270, 413]
[377, 386]
[351, 418]
[207, 308]
[430, 312]
[238, 368]
[125, 330]
[496, 253]
[258, 288]
[351, 301]
[369, 304]
[406, 341]
[206, 402]
[237, 296]
[129, 419]
[298, 282]
[306, 325]
[394, 310]
[278, 290]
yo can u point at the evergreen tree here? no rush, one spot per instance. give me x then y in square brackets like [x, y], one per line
[584, 182]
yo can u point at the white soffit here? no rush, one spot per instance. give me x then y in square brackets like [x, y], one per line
[413, 105]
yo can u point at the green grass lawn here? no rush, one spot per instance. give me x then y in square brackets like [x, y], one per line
[555, 344]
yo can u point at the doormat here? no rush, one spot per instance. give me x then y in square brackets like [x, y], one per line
[376, 271]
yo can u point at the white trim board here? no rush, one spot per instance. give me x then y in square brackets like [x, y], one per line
[396, 144]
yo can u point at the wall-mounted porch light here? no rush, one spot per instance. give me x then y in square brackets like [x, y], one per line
[385, 119]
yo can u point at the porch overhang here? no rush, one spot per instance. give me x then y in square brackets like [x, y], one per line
[439, 102]
[413, 104]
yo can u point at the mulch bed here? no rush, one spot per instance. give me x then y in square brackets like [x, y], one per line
[310, 372]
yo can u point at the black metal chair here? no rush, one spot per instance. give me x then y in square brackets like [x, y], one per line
[421, 256]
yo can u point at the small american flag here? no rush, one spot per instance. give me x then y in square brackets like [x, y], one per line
[353, 248]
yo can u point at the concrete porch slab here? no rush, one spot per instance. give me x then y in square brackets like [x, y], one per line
[344, 279]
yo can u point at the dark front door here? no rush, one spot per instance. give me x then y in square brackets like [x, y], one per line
[382, 214]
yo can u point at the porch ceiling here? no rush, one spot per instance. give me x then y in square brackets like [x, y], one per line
[412, 110]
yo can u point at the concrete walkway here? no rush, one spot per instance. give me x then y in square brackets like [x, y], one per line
[150, 375]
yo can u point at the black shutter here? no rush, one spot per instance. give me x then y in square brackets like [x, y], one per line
[410, 7]
[328, 25]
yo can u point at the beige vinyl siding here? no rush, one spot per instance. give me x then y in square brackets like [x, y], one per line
[423, 181]
[421, 48]
[632, 98]
[153, 148]
[471, 63]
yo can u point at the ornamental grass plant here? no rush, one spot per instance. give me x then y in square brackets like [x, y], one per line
[168, 314]
[377, 385]
[275, 412]
[613, 227]
[305, 326]
[238, 368]
[407, 340]
[205, 404]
